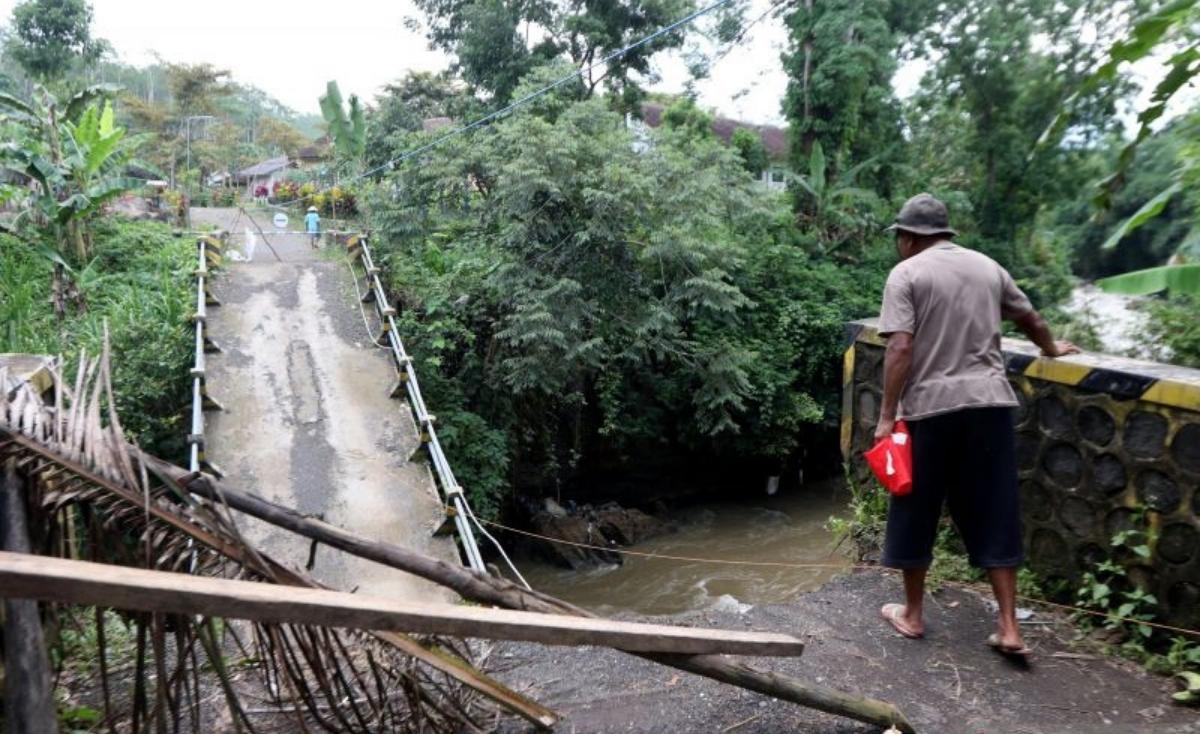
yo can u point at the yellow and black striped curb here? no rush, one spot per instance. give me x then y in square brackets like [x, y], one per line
[1120, 377]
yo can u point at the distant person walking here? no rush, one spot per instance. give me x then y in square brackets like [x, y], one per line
[944, 376]
[312, 225]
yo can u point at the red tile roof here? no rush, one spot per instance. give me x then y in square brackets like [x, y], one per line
[774, 139]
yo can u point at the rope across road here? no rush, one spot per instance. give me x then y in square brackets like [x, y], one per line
[828, 566]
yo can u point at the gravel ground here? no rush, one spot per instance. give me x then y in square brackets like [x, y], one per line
[948, 682]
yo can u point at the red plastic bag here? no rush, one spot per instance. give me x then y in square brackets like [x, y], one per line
[891, 460]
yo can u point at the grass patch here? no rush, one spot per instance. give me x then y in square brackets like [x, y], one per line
[139, 282]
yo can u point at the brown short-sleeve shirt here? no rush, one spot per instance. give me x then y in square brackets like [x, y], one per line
[951, 300]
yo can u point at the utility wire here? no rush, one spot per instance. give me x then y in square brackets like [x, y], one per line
[526, 99]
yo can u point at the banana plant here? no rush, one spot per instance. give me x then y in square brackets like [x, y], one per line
[72, 153]
[347, 125]
[835, 208]
[1182, 273]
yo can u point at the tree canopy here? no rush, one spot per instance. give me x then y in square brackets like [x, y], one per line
[51, 37]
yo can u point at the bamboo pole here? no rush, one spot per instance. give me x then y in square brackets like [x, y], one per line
[503, 593]
[28, 691]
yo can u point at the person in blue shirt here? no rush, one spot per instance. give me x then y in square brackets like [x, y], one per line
[312, 225]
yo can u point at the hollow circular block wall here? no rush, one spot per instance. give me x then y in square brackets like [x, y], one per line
[1104, 444]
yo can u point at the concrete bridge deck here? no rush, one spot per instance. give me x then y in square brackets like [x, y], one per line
[307, 422]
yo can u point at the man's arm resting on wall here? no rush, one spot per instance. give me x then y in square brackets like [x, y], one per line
[1038, 331]
[897, 364]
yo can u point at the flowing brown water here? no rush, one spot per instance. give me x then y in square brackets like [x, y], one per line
[788, 528]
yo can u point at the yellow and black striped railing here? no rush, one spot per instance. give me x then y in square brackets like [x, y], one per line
[1120, 377]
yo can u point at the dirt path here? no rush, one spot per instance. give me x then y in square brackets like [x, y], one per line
[307, 421]
[948, 683]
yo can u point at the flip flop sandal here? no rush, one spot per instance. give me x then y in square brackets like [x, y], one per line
[892, 612]
[1022, 652]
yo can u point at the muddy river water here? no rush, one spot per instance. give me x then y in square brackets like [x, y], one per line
[787, 528]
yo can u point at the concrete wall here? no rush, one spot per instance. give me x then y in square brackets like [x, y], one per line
[1097, 438]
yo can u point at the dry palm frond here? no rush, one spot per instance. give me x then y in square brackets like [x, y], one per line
[91, 498]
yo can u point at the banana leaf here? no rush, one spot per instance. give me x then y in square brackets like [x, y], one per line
[22, 109]
[1142, 40]
[1183, 68]
[1172, 278]
[80, 102]
[1148, 211]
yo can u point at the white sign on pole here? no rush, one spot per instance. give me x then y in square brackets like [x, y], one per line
[280, 220]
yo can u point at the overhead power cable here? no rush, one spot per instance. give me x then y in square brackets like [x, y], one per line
[526, 99]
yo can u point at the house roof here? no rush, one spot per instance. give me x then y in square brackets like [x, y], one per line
[266, 168]
[774, 139]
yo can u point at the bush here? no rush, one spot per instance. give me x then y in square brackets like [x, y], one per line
[339, 201]
[1174, 329]
[139, 283]
[224, 197]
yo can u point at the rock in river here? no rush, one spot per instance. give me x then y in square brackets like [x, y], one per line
[608, 526]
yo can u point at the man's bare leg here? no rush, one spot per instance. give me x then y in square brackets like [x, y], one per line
[1004, 586]
[914, 599]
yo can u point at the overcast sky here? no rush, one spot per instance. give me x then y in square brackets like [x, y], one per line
[291, 48]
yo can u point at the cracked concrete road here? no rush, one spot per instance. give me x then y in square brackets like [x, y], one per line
[307, 421]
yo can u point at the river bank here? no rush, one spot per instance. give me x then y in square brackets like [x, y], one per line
[948, 682]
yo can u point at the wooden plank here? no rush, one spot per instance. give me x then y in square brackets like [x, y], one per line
[28, 688]
[121, 587]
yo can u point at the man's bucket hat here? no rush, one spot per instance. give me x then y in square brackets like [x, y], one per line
[923, 215]
[312, 208]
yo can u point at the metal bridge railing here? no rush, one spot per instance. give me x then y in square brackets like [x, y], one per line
[208, 255]
[452, 493]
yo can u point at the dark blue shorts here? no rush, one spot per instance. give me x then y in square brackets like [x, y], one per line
[966, 459]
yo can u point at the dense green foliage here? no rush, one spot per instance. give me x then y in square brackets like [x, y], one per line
[581, 301]
[138, 284]
[1175, 329]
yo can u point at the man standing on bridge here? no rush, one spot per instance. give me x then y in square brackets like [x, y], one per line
[944, 376]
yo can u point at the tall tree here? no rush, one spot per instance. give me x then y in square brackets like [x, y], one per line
[279, 137]
[1001, 72]
[840, 70]
[51, 36]
[840, 64]
[496, 42]
[197, 88]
